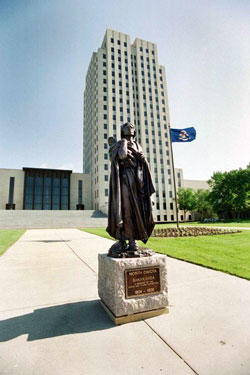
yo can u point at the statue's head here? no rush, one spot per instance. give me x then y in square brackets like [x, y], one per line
[111, 140]
[128, 129]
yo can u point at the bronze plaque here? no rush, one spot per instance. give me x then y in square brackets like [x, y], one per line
[142, 281]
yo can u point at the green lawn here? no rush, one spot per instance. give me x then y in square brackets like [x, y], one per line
[8, 237]
[229, 253]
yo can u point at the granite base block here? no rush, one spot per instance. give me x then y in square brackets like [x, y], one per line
[112, 288]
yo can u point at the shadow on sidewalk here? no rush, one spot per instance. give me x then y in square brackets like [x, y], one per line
[67, 319]
[46, 241]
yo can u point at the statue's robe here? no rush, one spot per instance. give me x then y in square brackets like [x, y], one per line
[130, 210]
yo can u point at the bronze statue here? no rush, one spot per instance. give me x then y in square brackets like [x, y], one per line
[130, 211]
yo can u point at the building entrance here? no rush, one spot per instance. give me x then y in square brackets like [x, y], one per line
[46, 189]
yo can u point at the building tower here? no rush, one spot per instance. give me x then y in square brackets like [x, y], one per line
[125, 83]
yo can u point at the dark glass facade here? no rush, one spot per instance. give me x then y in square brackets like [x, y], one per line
[79, 192]
[46, 189]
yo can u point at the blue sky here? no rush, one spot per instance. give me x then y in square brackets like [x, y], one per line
[45, 48]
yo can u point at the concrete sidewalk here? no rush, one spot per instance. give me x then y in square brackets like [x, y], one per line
[52, 322]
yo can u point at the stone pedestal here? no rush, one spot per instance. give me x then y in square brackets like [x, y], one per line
[133, 288]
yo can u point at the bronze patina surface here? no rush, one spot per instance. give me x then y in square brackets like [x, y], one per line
[142, 281]
[130, 211]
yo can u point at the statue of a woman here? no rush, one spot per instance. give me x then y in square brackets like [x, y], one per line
[130, 210]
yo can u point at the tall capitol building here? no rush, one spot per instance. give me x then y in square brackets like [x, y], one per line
[125, 83]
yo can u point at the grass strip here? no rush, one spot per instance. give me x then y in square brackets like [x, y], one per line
[231, 224]
[8, 237]
[228, 253]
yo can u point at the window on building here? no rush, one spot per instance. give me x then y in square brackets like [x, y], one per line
[158, 217]
[46, 190]
[106, 192]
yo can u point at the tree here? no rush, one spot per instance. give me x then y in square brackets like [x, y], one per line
[186, 200]
[203, 205]
[220, 195]
[239, 181]
[230, 193]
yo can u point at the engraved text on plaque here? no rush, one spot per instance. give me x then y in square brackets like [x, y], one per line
[142, 281]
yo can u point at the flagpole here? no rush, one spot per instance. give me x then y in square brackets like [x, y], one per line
[173, 171]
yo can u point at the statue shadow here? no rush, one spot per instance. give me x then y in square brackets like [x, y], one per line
[48, 241]
[53, 321]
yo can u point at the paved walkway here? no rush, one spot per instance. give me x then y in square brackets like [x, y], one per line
[52, 322]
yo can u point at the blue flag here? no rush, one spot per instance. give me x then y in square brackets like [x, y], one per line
[183, 135]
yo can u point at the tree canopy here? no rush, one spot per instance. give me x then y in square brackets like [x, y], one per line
[186, 200]
[230, 193]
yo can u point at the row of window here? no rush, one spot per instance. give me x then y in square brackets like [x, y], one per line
[105, 98]
[118, 42]
[125, 45]
[105, 107]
